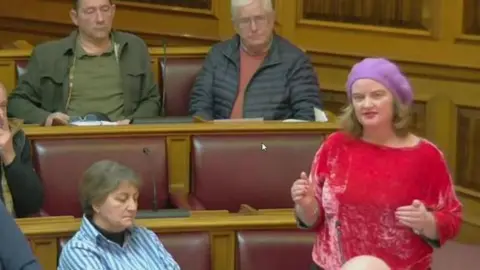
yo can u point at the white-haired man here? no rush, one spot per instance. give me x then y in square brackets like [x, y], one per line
[365, 262]
[255, 74]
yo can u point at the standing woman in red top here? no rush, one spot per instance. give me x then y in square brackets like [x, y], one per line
[375, 188]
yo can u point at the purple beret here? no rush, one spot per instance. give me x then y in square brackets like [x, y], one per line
[385, 72]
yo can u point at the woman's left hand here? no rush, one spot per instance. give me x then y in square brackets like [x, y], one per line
[416, 216]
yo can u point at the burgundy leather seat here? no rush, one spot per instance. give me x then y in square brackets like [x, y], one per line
[178, 81]
[191, 250]
[230, 170]
[279, 250]
[61, 164]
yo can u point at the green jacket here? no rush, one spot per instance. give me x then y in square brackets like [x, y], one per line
[44, 88]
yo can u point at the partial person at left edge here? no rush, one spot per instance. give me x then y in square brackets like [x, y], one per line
[20, 190]
[93, 70]
[15, 252]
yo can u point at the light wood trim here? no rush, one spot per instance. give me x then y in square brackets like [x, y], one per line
[34, 132]
[46, 250]
[442, 115]
[168, 9]
[196, 222]
[154, 51]
[178, 151]
[179, 51]
[8, 73]
[468, 193]
[15, 53]
[45, 219]
[223, 249]
[209, 213]
[424, 34]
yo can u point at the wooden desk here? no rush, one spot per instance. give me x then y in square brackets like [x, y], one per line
[44, 234]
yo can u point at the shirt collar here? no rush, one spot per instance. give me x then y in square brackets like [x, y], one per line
[92, 233]
[80, 52]
[273, 56]
[69, 43]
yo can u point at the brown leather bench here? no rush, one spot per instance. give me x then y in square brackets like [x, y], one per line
[191, 250]
[61, 164]
[230, 170]
[276, 249]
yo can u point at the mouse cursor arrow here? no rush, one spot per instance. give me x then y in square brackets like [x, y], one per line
[263, 147]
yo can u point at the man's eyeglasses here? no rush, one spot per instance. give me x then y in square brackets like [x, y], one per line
[259, 20]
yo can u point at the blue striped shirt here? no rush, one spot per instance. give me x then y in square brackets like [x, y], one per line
[89, 249]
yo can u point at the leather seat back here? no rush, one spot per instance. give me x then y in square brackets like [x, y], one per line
[230, 170]
[180, 75]
[279, 250]
[61, 164]
[191, 250]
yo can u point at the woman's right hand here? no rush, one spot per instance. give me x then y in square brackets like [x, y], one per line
[303, 191]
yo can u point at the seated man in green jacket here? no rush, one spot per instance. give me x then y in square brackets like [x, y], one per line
[256, 74]
[93, 70]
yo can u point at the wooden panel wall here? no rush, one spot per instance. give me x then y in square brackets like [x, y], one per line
[436, 42]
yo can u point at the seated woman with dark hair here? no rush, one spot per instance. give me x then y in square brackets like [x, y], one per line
[108, 237]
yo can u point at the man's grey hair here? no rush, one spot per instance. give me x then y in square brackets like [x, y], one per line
[267, 5]
[365, 262]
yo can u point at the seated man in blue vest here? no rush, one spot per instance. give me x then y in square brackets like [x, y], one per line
[93, 70]
[257, 73]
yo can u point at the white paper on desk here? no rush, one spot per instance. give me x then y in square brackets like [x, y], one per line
[320, 115]
[93, 123]
[291, 120]
[240, 120]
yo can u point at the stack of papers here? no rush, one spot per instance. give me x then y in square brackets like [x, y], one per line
[239, 120]
[320, 116]
[93, 123]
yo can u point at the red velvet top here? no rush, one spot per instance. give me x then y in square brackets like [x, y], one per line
[359, 187]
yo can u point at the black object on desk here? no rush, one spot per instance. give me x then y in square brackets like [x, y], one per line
[163, 213]
[166, 120]
[90, 117]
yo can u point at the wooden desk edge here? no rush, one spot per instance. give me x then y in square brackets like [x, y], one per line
[200, 222]
[65, 131]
